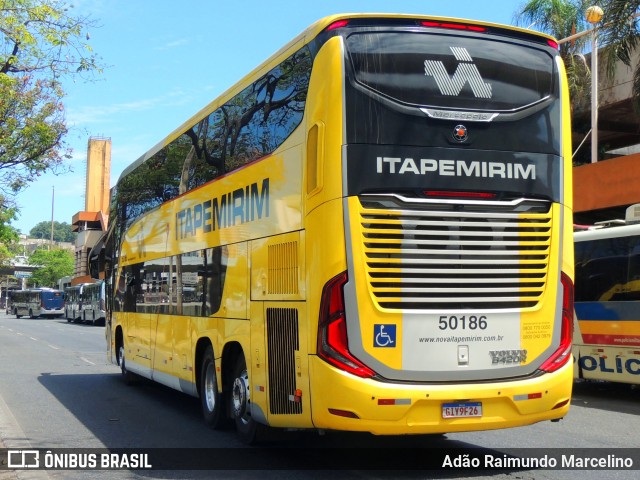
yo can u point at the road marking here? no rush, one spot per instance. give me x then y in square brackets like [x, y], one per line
[88, 361]
[34, 339]
[54, 347]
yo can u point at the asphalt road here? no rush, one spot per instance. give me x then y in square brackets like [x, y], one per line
[58, 391]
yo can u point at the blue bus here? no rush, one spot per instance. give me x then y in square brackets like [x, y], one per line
[37, 302]
[51, 302]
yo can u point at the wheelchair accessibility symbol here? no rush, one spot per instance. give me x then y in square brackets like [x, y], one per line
[384, 336]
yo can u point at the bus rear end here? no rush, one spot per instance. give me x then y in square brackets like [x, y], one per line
[51, 303]
[439, 213]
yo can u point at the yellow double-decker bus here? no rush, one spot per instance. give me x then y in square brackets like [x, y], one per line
[372, 231]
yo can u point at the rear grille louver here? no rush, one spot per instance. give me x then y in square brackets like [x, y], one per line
[283, 268]
[449, 255]
[283, 342]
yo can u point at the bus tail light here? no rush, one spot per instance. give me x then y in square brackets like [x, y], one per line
[337, 24]
[343, 413]
[460, 194]
[333, 345]
[453, 26]
[562, 355]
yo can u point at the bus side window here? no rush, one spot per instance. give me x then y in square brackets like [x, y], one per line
[633, 285]
[132, 287]
[118, 304]
[215, 272]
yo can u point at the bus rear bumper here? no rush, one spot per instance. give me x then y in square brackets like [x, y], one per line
[341, 401]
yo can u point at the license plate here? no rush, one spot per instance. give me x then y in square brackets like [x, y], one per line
[461, 410]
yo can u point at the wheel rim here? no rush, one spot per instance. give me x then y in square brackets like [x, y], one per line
[210, 387]
[121, 360]
[240, 397]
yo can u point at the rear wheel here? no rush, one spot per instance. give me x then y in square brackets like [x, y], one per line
[210, 397]
[249, 431]
[127, 376]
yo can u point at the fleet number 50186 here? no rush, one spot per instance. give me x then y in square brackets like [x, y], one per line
[462, 322]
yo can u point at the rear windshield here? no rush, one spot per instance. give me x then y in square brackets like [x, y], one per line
[435, 70]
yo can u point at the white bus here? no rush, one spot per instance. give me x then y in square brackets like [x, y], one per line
[92, 304]
[73, 303]
[606, 341]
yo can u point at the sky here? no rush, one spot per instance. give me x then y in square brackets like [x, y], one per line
[167, 59]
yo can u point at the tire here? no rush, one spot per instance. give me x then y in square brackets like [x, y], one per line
[31, 314]
[249, 431]
[210, 397]
[128, 377]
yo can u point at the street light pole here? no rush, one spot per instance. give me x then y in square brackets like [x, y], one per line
[594, 97]
[593, 15]
[53, 197]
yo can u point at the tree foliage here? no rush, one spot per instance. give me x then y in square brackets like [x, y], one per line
[562, 19]
[620, 33]
[61, 232]
[53, 264]
[8, 234]
[41, 43]
[618, 36]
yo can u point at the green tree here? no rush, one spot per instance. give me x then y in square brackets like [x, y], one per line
[61, 232]
[8, 234]
[53, 264]
[619, 32]
[563, 18]
[41, 43]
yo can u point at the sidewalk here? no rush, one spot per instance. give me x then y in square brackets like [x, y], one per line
[6, 474]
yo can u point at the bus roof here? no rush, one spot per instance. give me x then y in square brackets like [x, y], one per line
[303, 38]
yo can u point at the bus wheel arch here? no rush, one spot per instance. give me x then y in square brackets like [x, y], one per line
[121, 357]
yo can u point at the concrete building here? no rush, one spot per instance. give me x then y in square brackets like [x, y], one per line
[30, 245]
[92, 222]
[604, 190]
